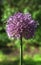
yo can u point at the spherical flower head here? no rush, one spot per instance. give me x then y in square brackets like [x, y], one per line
[19, 24]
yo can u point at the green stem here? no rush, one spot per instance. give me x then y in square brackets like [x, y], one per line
[21, 51]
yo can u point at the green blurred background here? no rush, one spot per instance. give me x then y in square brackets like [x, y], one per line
[9, 49]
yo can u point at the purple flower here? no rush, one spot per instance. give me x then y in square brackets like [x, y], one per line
[21, 23]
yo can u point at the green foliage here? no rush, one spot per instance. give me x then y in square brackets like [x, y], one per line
[2, 56]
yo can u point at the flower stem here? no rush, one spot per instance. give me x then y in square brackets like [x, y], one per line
[21, 51]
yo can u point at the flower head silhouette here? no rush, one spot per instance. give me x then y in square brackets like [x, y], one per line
[21, 23]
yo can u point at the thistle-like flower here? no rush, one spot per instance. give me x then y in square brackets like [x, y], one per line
[19, 24]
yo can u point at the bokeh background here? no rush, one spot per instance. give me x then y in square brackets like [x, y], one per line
[9, 49]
